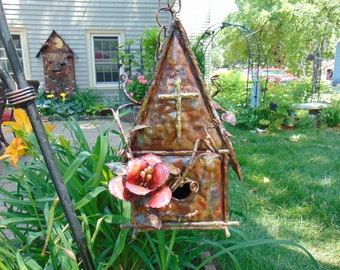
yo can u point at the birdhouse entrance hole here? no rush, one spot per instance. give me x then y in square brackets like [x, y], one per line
[182, 193]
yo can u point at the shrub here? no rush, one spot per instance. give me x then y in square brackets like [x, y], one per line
[137, 87]
[233, 90]
[275, 102]
[78, 104]
[331, 116]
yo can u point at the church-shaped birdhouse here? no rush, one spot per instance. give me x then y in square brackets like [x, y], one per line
[177, 127]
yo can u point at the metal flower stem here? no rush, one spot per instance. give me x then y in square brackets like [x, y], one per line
[32, 112]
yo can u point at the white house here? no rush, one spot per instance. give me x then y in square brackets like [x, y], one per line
[336, 73]
[85, 26]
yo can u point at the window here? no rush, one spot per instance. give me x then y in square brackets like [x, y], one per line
[20, 42]
[3, 55]
[106, 60]
[104, 66]
[103, 63]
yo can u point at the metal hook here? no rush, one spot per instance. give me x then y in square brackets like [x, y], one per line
[213, 80]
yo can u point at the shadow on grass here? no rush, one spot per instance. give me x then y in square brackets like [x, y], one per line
[290, 191]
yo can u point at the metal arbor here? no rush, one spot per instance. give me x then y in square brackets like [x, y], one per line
[254, 53]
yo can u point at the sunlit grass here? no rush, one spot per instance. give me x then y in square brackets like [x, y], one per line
[292, 189]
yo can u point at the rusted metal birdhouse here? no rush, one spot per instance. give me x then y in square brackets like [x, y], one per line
[58, 60]
[177, 125]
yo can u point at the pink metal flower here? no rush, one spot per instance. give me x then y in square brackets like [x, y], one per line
[143, 181]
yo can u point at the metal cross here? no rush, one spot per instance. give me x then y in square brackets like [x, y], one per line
[178, 96]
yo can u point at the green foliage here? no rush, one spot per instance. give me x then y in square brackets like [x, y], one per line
[143, 59]
[233, 90]
[39, 235]
[233, 97]
[78, 104]
[35, 235]
[331, 116]
[199, 50]
[288, 32]
[150, 45]
[275, 103]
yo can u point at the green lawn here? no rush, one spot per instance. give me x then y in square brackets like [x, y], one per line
[291, 191]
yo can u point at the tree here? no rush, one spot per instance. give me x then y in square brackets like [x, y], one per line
[288, 31]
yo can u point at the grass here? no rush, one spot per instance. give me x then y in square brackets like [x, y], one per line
[291, 191]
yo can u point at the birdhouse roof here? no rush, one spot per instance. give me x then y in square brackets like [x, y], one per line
[177, 110]
[54, 44]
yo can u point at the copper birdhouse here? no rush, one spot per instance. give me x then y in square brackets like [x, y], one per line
[58, 60]
[178, 124]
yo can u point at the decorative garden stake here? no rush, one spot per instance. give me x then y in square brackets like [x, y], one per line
[179, 152]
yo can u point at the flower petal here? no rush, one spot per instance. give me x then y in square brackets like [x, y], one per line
[136, 189]
[159, 176]
[160, 198]
[228, 117]
[23, 121]
[117, 189]
[134, 168]
[152, 159]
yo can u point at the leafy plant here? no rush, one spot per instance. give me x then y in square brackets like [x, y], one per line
[78, 104]
[137, 87]
[275, 103]
[150, 42]
[143, 59]
[40, 236]
[331, 116]
[199, 51]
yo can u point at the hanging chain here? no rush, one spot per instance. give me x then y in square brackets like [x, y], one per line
[169, 8]
[163, 28]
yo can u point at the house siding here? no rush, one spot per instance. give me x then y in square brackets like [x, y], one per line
[336, 72]
[71, 20]
[196, 19]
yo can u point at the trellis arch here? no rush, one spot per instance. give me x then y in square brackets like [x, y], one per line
[254, 56]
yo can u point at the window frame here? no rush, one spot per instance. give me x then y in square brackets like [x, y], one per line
[21, 32]
[90, 35]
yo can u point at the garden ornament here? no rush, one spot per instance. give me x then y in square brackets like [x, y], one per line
[178, 152]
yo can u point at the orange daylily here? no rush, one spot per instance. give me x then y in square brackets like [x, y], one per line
[16, 149]
[49, 127]
[22, 122]
[22, 128]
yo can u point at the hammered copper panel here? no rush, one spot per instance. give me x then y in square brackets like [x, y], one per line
[175, 126]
